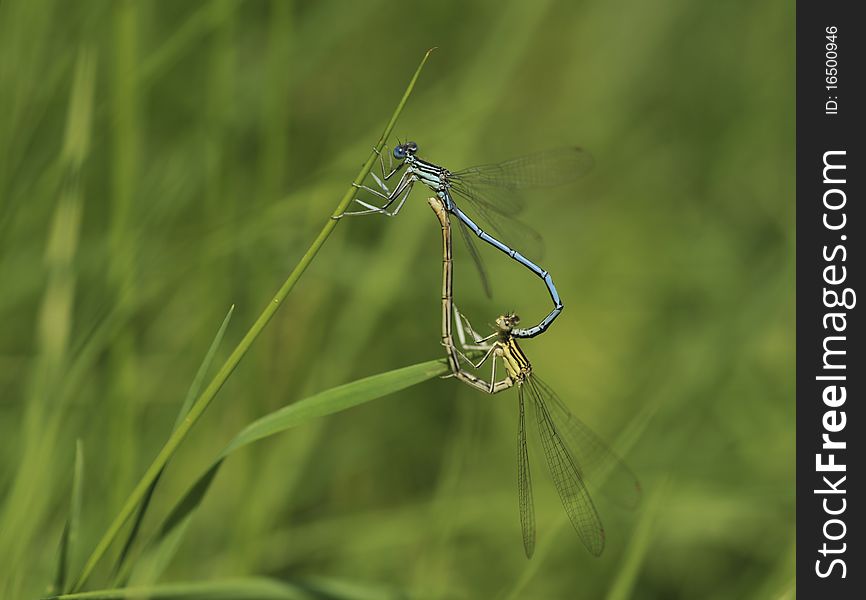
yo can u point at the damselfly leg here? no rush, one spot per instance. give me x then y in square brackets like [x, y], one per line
[401, 190]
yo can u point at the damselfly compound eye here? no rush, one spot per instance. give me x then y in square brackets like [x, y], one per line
[399, 152]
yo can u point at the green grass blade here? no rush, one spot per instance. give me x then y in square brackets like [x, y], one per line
[191, 395]
[149, 567]
[324, 403]
[26, 499]
[230, 589]
[329, 587]
[252, 588]
[624, 584]
[335, 400]
[69, 537]
[198, 380]
[204, 400]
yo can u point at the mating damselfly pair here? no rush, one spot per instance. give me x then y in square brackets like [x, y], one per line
[574, 454]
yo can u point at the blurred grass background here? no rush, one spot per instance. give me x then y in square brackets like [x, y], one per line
[164, 160]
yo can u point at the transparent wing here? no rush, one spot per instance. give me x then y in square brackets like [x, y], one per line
[524, 483]
[604, 470]
[542, 169]
[490, 190]
[567, 476]
[500, 199]
[501, 223]
[476, 257]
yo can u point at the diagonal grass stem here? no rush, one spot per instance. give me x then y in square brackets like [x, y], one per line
[205, 398]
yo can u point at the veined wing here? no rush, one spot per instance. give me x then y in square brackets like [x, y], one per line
[490, 190]
[501, 223]
[541, 169]
[499, 182]
[476, 257]
[524, 482]
[603, 469]
[500, 199]
[567, 476]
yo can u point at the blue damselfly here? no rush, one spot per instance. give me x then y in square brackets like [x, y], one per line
[477, 185]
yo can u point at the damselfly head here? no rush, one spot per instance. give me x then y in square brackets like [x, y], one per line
[401, 151]
[507, 322]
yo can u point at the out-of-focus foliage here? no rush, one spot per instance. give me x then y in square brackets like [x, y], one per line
[164, 160]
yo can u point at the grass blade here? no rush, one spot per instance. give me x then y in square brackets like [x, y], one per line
[70, 530]
[191, 395]
[149, 567]
[230, 589]
[252, 588]
[204, 400]
[335, 400]
[626, 579]
[324, 403]
[27, 497]
[198, 380]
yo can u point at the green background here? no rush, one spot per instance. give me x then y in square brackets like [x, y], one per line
[198, 155]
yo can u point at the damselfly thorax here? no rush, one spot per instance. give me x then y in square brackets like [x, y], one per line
[431, 175]
[506, 348]
[516, 364]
